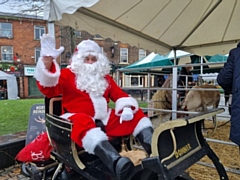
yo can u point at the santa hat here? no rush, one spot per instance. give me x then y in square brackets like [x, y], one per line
[48, 46]
[88, 47]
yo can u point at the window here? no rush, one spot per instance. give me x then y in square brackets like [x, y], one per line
[6, 30]
[38, 31]
[133, 81]
[141, 54]
[37, 54]
[33, 90]
[123, 55]
[136, 81]
[101, 49]
[7, 53]
[77, 34]
[97, 36]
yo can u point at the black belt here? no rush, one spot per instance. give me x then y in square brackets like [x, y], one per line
[100, 124]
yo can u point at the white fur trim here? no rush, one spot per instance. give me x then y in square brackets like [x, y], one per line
[46, 78]
[88, 46]
[105, 120]
[123, 102]
[100, 106]
[92, 138]
[66, 115]
[145, 122]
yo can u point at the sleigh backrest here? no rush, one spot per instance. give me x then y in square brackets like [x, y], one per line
[59, 132]
[64, 149]
[53, 105]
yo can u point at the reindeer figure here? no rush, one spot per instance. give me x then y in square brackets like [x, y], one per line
[198, 99]
[162, 99]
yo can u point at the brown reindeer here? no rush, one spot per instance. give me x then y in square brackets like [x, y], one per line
[162, 99]
[198, 99]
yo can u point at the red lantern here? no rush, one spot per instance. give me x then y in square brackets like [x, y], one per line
[15, 58]
[12, 68]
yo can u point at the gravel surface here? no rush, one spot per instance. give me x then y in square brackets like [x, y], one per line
[12, 173]
[228, 155]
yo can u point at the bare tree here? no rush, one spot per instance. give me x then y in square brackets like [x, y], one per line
[3, 1]
[26, 7]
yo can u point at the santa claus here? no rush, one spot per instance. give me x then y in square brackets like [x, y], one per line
[86, 89]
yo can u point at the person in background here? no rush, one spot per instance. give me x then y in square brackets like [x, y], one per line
[185, 76]
[228, 79]
[228, 101]
[160, 80]
[86, 89]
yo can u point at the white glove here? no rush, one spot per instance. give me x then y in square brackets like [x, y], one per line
[126, 115]
[48, 46]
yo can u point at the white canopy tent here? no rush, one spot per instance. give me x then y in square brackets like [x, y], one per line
[209, 76]
[12, 89]
[198, 27]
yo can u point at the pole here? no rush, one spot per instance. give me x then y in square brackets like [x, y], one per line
[174, 86]
[117, 78]
[51, 29]
[201, 72]
[149, 84]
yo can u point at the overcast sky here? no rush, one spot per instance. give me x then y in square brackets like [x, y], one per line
[29, 7]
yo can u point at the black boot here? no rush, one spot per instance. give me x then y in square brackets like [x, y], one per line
[120, 166]
[145, 138]
[64, 174]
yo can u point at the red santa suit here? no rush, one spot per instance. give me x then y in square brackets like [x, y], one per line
[83, 108]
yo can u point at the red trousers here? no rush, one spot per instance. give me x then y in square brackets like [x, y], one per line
[82, 123]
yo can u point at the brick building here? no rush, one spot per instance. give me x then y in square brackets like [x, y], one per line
[119, 54]
[20, 49]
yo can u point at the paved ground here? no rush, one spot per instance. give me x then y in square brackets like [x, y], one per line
[12, 172]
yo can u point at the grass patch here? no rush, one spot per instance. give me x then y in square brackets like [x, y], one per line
[14, 114]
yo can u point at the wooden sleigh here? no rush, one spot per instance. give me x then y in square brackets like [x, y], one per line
[176, 145]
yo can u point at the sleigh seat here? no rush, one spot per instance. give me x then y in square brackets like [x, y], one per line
[67, 153]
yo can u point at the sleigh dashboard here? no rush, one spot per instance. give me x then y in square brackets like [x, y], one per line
[180, 143]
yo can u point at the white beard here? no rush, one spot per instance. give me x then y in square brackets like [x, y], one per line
[90, 78]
